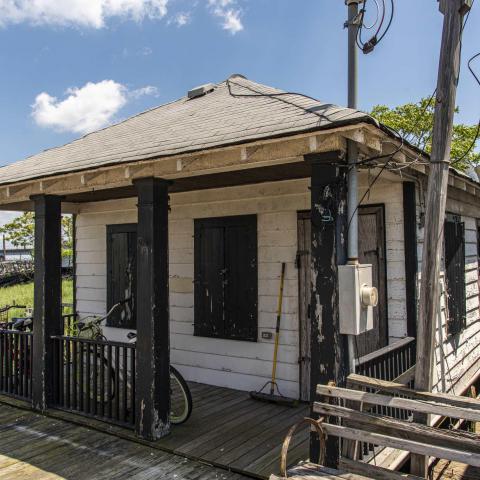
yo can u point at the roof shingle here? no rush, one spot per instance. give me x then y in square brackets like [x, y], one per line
[236, 111]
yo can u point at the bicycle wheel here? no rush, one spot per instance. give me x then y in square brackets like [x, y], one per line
[180, 398]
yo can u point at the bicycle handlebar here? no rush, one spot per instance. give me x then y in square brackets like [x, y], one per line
[98, 320]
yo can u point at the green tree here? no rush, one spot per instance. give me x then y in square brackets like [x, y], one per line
[414, 122]
[20, 232]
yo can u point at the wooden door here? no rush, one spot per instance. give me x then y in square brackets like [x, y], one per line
[304, 291]
[121, 273]
[371, 249]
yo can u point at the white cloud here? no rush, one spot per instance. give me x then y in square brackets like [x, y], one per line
[181, 19]
[84, 13]
[229, 13]
[141, 92]
[145, 51]
[85, 109]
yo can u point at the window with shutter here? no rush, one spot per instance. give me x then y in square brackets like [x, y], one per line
[226, 282]
[455, 273]
[121, 273]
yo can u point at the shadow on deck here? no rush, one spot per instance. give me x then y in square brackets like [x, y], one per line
[227, 429]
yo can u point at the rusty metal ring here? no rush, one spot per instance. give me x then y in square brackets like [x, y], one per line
[322, 436]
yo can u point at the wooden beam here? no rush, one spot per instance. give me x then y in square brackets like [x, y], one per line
[411, 258]
[402, 444]
[397, 402]
[458, 440]
[374, 471]
[328, 249]
[47, 319]
[152, 392]
[398, 389]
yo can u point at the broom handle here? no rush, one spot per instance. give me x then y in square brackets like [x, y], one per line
[277, 329]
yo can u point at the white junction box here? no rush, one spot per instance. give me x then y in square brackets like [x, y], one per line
[357, 297]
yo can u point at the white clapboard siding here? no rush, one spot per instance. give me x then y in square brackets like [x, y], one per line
[235, 364]
[457, 358]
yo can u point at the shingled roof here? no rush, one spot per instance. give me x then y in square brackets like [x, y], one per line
[236, 111]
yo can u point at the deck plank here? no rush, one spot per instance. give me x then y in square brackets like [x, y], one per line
[35, 447]
[227, 429]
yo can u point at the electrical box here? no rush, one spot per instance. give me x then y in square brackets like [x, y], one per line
[357, 297]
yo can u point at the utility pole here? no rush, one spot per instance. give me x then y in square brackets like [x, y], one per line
[447, 80]
[352, 151]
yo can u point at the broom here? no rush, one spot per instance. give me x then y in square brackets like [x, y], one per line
[271, 396]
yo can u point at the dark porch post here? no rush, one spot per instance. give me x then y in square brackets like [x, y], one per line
[152, 395]
[47, 320]
[329, 249]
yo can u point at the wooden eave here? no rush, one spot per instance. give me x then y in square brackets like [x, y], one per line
[253, 162]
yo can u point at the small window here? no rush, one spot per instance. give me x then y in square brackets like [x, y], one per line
[121, 274]
[455, 274]
[226, 277]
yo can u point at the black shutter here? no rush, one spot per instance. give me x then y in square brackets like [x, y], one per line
[455, 274]
[226, 288]
[209, 263]
[241, 289]
[121, 273]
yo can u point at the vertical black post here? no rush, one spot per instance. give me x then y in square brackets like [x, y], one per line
[47, 313]
[411, 260]
[152, 386]
[329, 249]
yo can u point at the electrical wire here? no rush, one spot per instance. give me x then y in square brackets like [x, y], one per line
[469, 149]
[278, 96]
[471, 69]
[377, 37]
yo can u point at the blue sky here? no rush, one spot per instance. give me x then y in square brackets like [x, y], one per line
[140, 53]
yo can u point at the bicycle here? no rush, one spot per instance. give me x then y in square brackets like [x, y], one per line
[91, 328]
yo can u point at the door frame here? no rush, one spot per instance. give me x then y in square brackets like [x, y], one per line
[380, 207]
[302, 215]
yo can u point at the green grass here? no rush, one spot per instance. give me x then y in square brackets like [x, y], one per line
[22, 294]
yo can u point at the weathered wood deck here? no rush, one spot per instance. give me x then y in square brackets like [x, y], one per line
[454, 471]
[227, 429]
[36, 447]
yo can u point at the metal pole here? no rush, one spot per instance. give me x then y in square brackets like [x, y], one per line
[352, 153]
[352, 148]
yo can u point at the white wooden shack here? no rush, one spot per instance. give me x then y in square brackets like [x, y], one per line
[243, 157]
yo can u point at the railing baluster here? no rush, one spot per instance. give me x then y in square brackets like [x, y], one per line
[117, 383]
[80, 376]
[133, 363]
[125, 383]
[67, 374]
[75, 375]
[95, 378]
[109, 382]
[102, 380]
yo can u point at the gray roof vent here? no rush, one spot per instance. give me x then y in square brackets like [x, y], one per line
[237, 75]
[201, 90]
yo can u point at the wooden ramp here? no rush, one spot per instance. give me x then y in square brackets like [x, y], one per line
[227, 429]
[36, 447]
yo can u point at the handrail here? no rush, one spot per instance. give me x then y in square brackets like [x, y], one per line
[93, 342]
[383, 351]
